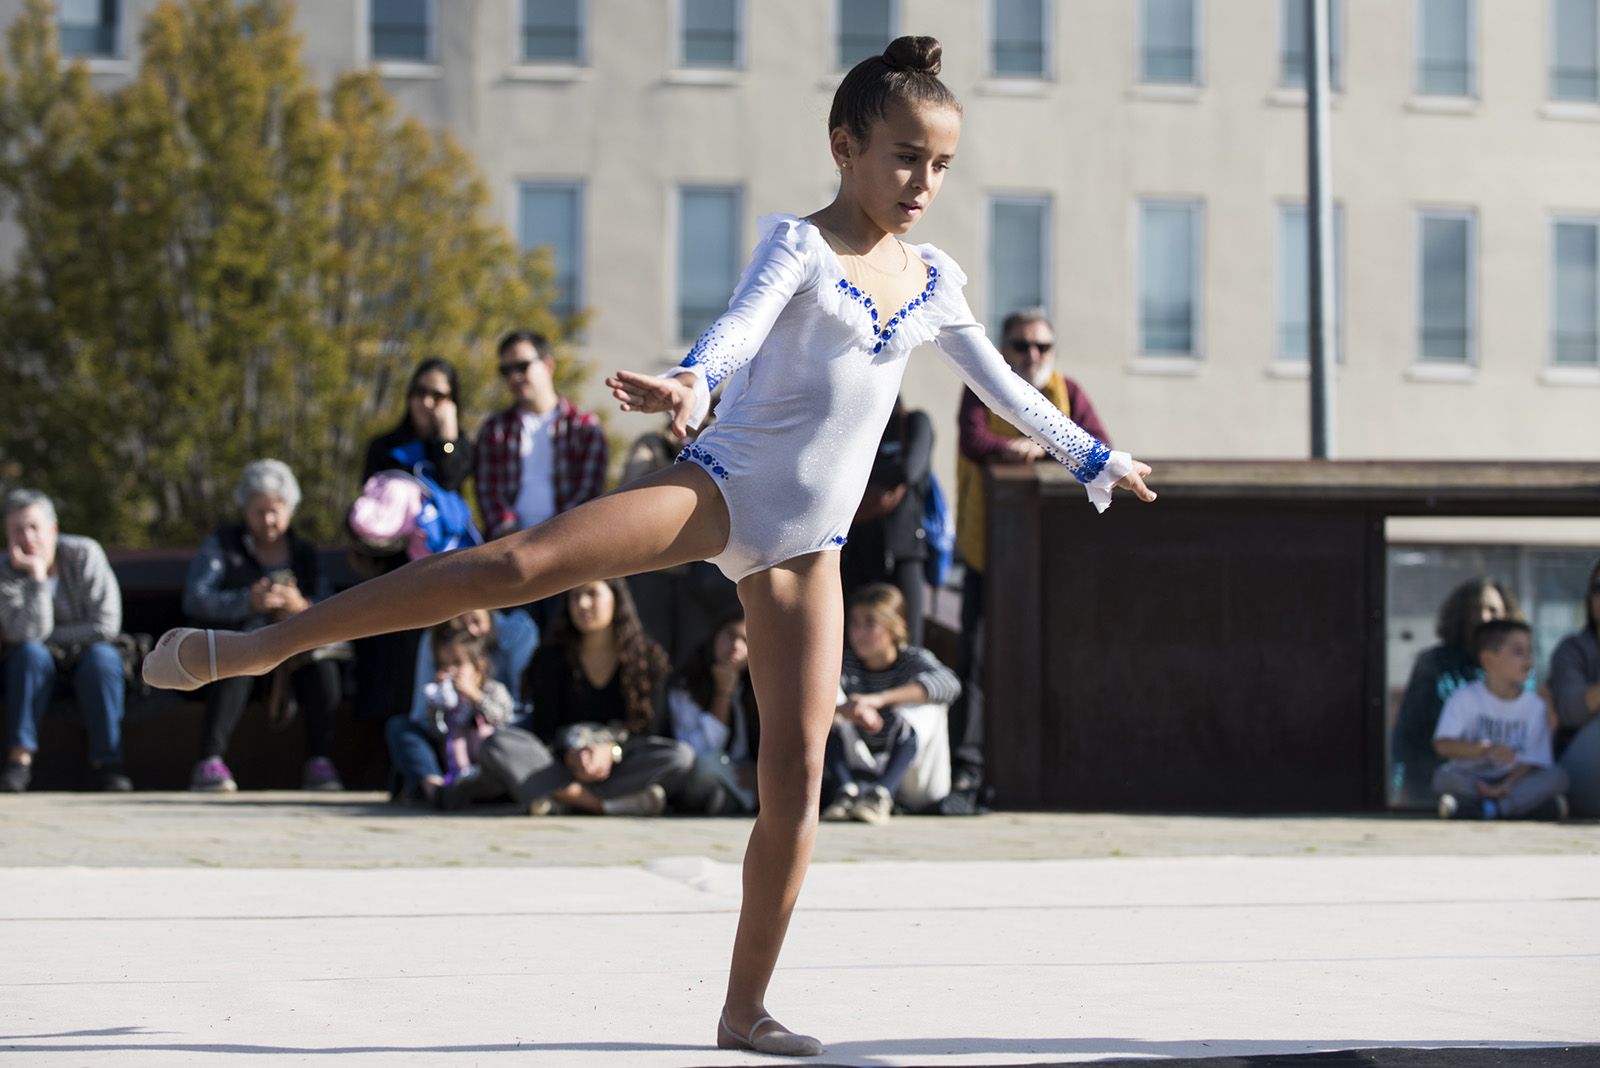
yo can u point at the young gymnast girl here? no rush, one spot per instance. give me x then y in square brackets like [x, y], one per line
[810, 355]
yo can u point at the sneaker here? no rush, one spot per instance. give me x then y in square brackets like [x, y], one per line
[651, 801]
[843, 802]
[457, 791]
[874, 807]
[1461, 807]
[14, 778]
[960, 803]
[111, 779]
[211, 776]
[1554, 808]
[320, 774]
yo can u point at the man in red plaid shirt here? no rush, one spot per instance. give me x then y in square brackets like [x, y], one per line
[541, 456]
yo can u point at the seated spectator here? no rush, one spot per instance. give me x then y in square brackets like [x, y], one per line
[1575, 692]
[461, 705]
[1438, 672]
[595, 684]
[1495, 737]
[510, 637]
[885, 683]
[887, 542]
[712, 708]
[247, 574]
[60, 615]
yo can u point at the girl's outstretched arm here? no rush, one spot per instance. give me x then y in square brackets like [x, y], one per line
[779, 268]
[1092, 462]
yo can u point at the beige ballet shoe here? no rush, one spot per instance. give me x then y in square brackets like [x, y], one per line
[162, 668]
[777, 1041]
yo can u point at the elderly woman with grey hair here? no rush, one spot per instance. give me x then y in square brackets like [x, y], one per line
[248, 574]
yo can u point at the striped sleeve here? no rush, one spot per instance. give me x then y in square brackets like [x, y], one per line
[913, 665]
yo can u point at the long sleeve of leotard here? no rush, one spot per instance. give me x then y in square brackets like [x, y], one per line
[778, 269]
[962, 340]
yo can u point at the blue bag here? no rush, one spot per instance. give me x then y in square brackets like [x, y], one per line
[939, 529]
[445, 519]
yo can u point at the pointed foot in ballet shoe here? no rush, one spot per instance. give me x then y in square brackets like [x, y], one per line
[774, 1040]
[163, 670]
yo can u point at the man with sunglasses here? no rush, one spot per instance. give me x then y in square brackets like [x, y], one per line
[1027, 341]
[541, 456]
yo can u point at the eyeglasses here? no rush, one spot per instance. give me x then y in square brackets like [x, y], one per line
[1021, 347]
[424, 393]
[516, 367]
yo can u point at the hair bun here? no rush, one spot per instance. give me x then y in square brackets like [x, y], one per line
[918, 55]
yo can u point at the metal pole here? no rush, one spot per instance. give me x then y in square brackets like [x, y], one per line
[1319, 229]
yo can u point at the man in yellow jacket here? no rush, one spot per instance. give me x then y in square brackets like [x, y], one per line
[1027, 341]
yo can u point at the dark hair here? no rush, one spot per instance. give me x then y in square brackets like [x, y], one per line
[540, 343]
[1462, 611]
[907, 72]
[641, 662]
[1024, 317]
[1590, 622]
[475, 648]
[695, 678]
[432, 363]
[1491, 636]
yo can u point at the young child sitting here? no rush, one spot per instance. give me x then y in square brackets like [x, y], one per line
[872, 746]
[1495, 737]
[464, 702]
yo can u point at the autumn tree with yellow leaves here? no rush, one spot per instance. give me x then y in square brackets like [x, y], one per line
[219, 263]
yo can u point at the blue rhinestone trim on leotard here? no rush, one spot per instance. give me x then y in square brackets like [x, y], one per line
[704, 458]
[882, 333]
[840, 539]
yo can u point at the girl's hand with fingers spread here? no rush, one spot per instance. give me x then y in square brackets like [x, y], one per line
[653, 393]
[1134, 480]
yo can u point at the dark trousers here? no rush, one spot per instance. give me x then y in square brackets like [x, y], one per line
[892, 763]
[518, 762]
[384, 669]
[966, 711]
[316, 690]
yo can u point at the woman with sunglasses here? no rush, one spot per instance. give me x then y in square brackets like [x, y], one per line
[1575, 690]
[428, 433]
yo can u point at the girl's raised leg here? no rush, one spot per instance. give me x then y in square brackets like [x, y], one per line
[670, 517]
[794, 614]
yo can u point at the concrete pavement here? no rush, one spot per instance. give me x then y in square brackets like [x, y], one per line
[168, 929]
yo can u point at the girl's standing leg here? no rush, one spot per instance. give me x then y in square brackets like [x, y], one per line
[794, 614]
[670, 517]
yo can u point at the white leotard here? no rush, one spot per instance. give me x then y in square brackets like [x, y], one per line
[812, 369]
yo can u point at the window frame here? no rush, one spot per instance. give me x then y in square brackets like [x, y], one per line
[1568, 218]
[1279, 358]
[1044, 199]
[1196, 206]
[400, 63]
[1337, 14]
[1419, 36]
[1047, 30]
[519, 57]
[836, 30]
[741, 40]
[579, 188]
[1551, 37]
[119, 40]
[1470, 215]
[1197, 41]
[675, 249]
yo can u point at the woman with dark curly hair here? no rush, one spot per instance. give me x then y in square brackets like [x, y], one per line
[1575, 692]
[1438, 672]
[595, 684]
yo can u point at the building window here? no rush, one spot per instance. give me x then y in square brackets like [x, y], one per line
[708, 254]
[1292, 67]
[1445, 272]
[550, 215]
[1169, 42]
[1446, 35]
[1169, 277]
[709, 33]
[402, 30]
[1294, 283]
[88, 28]
[1019, 255]
[1575, 294]
[865, 29]
[1575, 50]
[1018, 32]
[552, 31]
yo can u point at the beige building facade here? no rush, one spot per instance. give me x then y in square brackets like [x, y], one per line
[1136, 166]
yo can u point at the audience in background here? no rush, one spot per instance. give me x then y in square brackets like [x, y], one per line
[887, 542]
[509, 636]
[251, 572]
[885, 683]
[711, 707]
[1440, 671]
[60, 618]
[1575, 692]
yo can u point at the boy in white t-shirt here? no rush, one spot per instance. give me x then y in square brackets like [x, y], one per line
[1495, 737]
